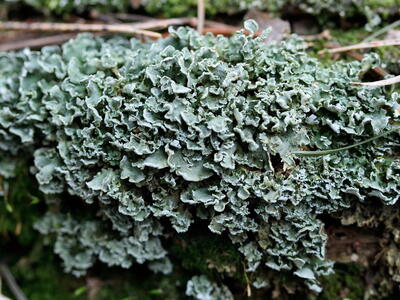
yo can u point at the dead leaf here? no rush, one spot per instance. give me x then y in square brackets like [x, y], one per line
[280, 28]
[135, 3]
[393, 35]
[304, 25]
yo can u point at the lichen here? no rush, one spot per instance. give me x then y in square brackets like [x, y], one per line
[154, 138]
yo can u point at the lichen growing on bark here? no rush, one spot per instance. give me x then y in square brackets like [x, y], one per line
[153, 139]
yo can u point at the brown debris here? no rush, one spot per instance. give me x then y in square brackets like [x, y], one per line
[135, 3]
[280, 28]
[351, 244]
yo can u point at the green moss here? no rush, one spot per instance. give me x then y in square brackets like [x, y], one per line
[347, 282]
[20, 206]
[208, 254]
[42, 280]
[390, 58]
[41, 277]
[349, 36]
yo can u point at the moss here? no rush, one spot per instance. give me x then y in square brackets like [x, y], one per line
[20, 206]
[208, 254]
[42, 280]
[347, 282]
[349, 36]
[41, 277]
[390, 58]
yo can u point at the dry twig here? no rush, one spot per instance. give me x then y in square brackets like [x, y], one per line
[362, 46]
[326, 34]
[379, 83]
[201, 15]
[37, 42]
[163, 23]
[68, 27]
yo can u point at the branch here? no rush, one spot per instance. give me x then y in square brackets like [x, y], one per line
[37, 42]
[379, 83]
[68, 27]
[375, 44]
[201, 15]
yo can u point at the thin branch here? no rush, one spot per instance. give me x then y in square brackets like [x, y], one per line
[375, 44]
[149, 24]
[162, 23]
[221, 30]
[332, 151]
[68, 27]
[379, 83]
[37, 42]
[326, 34]
[12, 284]
[201, 15]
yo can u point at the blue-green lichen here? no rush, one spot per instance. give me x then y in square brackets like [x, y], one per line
[157, 137]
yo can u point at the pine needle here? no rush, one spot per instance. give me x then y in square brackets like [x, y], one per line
[332, 151]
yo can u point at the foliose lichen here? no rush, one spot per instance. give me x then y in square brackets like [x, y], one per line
[156, 137]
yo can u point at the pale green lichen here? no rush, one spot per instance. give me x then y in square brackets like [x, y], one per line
[158, 137]
[200, 288]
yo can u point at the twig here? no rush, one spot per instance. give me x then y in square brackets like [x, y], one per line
[381, 31]
[222, 30]
[201, 15]
[162, 23]
[326, 34]
[379, 83]
[375, 44]
[149, 24]
[111, 28]
[37, 42]
[12, 284]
